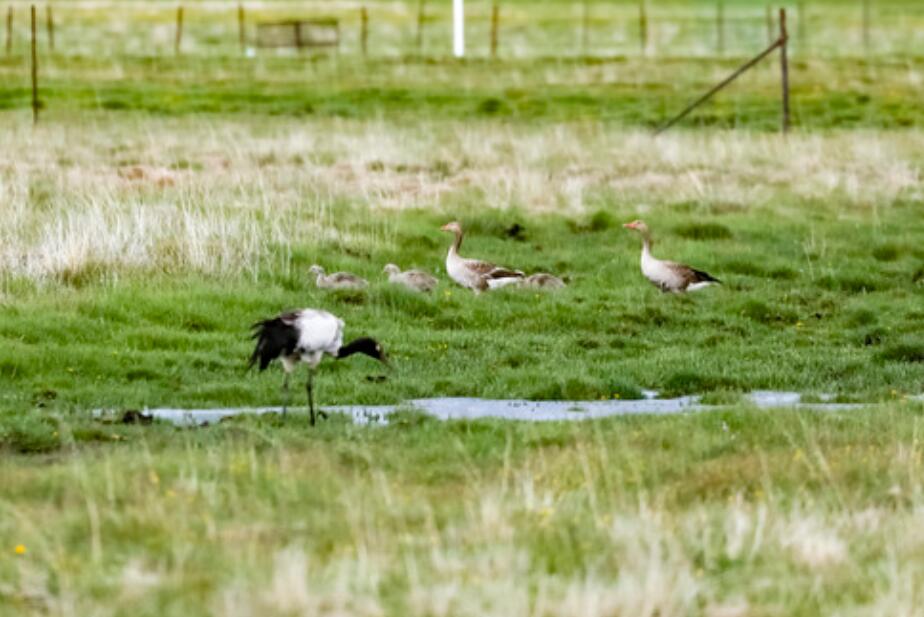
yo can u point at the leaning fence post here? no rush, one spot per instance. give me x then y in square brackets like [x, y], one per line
[35, 97]
[179, 30]
[784, 64]
[495, 19]
[50, 24]
[643, 26]
[720, 27]
[747, 65]
[364, 30]
[9, 30]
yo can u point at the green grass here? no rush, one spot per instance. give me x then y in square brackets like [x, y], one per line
[628, 92]
[162, 205]
[784, 319]
[765, 513]
[142, 293]
[102, 63]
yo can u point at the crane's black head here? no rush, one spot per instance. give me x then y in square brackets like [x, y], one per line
[364, 345]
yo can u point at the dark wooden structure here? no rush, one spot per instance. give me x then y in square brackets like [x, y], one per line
[299, 33]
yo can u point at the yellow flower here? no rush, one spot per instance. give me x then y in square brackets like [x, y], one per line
[20, 549]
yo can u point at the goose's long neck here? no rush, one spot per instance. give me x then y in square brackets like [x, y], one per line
[456, 245]
[646, 245]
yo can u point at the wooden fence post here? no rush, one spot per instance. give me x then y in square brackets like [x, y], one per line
[745, 67]
[643, 26]
[242, 28]
[9, 30]
[50, 24]
[495, 22]
[421, 12]
[364, 30]
[179, 30]
[720, 27]
[784, 64]
[35, 98]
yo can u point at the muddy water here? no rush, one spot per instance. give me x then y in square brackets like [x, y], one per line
[530, 411]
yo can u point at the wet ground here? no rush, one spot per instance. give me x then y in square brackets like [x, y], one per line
[531, 411]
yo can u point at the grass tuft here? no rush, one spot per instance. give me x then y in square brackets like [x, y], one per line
[704, 231]
[907, 351]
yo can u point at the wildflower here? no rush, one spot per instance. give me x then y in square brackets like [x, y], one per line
[20, 549]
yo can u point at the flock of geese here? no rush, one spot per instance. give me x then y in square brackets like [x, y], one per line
[307, 335]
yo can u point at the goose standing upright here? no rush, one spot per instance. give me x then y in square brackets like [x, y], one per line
[415, 280]
[472, 273]
[336, 280]
[668, 276]
[305, 335]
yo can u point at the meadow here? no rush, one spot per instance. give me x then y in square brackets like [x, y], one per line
[164, 204]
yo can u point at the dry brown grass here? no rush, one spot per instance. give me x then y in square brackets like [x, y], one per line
[225, 196]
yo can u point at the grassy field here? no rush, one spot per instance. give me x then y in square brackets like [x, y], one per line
[135, 261]
[120, 57]
[162, 205]
[730, 513]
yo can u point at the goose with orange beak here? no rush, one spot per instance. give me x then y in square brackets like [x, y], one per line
[475, 274]
[668, 276]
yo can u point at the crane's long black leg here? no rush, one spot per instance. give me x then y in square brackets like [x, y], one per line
[311, 395]
[285, 394]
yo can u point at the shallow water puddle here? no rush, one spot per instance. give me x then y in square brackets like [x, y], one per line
[531, 411]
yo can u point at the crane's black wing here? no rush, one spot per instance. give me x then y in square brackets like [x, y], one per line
[275, 337]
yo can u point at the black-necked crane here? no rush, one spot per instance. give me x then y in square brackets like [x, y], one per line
[475, 274]
[305, 336]
[668, 276]
[415, 280]
[336, 280]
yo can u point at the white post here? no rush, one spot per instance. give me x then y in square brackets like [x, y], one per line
[458, 28]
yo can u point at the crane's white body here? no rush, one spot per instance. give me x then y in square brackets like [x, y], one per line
[319, 333]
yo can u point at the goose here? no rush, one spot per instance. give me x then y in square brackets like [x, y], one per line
[543, 280]
[415, 280]
[305, 335]
[474, 274]
[668, 276]
[337, 280]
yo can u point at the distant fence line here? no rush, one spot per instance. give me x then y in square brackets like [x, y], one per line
[493, 20]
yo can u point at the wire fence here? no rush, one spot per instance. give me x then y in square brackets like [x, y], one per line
[852, 28]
